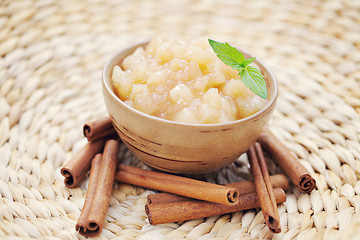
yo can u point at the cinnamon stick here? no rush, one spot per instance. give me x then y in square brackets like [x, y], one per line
[99, 129]
[186, 210]
[75, 170]
[82, 223]
[264, 187]
[101, 198]
[288, 163]
[244, 187]
[165, 197]
[178, 185]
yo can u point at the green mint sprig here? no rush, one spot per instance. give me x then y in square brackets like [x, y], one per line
[250, 76]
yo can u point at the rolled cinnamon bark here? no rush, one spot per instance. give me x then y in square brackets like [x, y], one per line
[186, 210]
[166, 198]
[100, 128]
[75, 170]
[244, 187]
[100, 203]
[288, 163]
[82, 222]
[178, 185]
[263, 187]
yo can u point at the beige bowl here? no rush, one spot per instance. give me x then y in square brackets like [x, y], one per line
[180, 147]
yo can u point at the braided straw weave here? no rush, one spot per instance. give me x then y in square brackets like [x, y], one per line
[52, 55]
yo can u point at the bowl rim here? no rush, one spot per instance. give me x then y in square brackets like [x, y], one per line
[106, 80]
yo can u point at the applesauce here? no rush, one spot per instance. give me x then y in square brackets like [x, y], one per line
[183, 80]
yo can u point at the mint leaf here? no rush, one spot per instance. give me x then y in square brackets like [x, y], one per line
[253, 79]
[248, 61]
[251, 76]
[228, 54]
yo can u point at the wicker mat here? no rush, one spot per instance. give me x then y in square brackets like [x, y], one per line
[52, 55]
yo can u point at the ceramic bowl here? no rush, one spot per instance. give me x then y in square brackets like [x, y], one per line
[179, 147]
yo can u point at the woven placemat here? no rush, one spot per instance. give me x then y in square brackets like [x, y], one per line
[52, 55]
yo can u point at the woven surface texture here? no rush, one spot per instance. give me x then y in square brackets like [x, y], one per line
[52, 55]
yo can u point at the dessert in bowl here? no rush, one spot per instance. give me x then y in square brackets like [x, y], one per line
[180, 109]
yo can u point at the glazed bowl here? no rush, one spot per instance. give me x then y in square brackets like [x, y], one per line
[180, 147]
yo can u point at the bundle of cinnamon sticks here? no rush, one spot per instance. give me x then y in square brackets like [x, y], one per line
[100, 156]
[181, 198]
